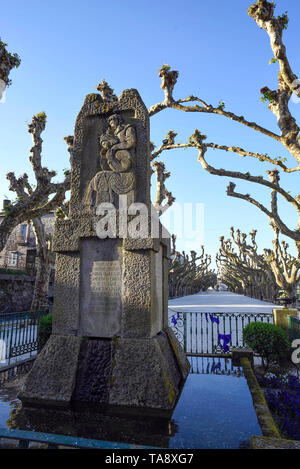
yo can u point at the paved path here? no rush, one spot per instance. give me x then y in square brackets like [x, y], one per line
[212, 301]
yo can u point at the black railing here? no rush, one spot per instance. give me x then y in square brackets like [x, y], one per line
[18, 334]
[202, 333]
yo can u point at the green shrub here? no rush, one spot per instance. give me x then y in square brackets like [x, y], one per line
[268, 341]
[44, 331]
[13, 271]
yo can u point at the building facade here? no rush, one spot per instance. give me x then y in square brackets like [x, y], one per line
[19, 254]
[20, 250]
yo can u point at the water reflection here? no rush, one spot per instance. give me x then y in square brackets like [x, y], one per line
[214, 365]
[214, 411]
[149, 431]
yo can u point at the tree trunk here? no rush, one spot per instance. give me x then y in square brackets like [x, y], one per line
[40, 300]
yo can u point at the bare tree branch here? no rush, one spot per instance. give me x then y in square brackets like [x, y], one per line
[33, 202]
[263, 13]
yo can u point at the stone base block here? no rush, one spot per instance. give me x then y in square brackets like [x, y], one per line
[52, 378]
[237, 354]
[147, 373]
[119, 373]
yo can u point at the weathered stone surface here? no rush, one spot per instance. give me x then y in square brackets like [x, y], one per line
[52, 377]
[90, 125]
[237, 354]
[141, 244]
[145, 374]
[264, 442]
[94, 369]
[16, 291]
[66, 294]
[264, 416]
[137, 280]
[181, 360]
[165, 318]
[68, 234]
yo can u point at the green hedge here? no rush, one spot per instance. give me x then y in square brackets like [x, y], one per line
[13, 271]
[44, 331]
[267, 340]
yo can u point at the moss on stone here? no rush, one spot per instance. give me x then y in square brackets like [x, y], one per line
[116, 341]
[170, 389]
[92, 97]
[264, 416]
[262, 442]
[175, 349]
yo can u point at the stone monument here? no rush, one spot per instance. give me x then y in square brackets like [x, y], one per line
[110, 345]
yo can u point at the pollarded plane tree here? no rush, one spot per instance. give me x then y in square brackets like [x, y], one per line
[8, 61]
[288, 136]
[278, 264]
[202, 276]
[186, 276]
[232, 270]
[246, 271]
[228, 275]
[263, 283]
[31, 202]
[189, 274]
[285, 266]
[34, 201]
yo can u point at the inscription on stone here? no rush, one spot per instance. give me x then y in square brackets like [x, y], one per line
[100, 288]
[105, 281]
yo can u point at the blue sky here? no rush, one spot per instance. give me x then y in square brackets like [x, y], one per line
[67, 47]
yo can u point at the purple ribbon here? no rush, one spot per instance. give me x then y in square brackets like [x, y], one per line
[215, 367]
[173, 320]
[214, 319]
[226, 338]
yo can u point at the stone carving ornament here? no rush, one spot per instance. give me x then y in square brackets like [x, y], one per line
[116, 162]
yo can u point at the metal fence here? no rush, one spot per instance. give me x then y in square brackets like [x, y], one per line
[18, 334]
[202, 333]
[202, 365]
[293, 328]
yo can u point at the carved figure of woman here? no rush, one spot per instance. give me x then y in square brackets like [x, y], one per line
[118, 156]
[116, 162]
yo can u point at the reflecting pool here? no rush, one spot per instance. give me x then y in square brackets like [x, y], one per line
[214, 411]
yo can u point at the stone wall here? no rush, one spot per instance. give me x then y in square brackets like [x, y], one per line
[16, 291]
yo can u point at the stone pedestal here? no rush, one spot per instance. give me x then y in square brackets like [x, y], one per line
[125, 373]
[281, 315]
[111, 344]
